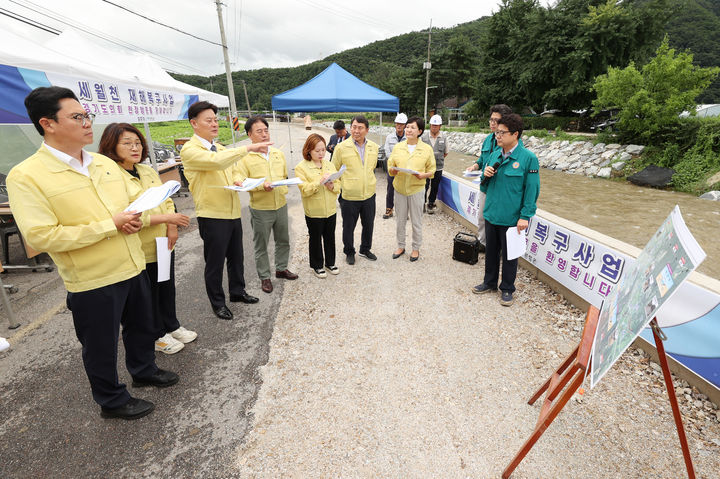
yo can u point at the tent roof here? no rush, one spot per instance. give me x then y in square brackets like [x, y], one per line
[335, 89]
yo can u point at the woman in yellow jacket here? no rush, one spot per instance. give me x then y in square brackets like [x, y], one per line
[319, 201]
[411, 154]
[125, 144]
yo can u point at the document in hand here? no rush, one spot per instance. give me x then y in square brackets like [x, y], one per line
[247, 185]
[287, 182]
[472, 173]
[163, 259]
[335, 175]
[515, 243]
[407, 170]
[154, 196]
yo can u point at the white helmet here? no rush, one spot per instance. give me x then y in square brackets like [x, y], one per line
[436, 120]
[401, 118]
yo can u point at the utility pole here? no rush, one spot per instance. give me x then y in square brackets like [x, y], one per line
[228, 74]
[246, 99]
[426, 67]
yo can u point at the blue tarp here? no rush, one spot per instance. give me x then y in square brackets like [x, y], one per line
[335, 89]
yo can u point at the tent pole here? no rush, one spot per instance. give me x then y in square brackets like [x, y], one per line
[290, 140]
[150, 146]
[380, 118]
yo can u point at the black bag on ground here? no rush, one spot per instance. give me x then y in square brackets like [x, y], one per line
[467, 248]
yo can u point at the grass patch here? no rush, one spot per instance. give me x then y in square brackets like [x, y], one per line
[165, 132]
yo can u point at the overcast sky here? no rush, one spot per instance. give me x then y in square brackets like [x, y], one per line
[260, 33]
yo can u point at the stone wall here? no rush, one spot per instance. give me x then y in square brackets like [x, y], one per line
[580, 157]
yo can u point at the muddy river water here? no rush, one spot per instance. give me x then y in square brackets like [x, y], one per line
[620, 209]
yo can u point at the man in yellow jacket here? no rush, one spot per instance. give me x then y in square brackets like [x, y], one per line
[209, 167]
[268, 206]
[70, 204]
[358, 188]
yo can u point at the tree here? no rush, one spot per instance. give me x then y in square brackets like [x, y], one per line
[650, 99]
[549, 57]
[456, 68]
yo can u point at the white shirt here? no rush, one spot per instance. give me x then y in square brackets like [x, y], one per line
[411, 148]
[73, 163]
[205, 143]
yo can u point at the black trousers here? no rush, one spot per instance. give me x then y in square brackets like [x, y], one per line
[390, 198]
[495, 246]
[163, 298]
[322, 238]
[222, 241]
[97, 316]
[433, 184]
[351, 211]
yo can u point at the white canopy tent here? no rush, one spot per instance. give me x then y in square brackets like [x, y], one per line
[117, 85]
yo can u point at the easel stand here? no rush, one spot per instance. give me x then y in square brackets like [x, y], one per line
[568, 378]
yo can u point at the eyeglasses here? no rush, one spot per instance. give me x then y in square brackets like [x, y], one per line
[500, 133]
[84, 120]
[130, 145]
[494, 120]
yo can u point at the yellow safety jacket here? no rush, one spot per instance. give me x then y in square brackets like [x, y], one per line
[318, 201]
[421, 160]
[254, 165]
[148, 179]
[68, 215]
[358, 181]
[208, 172]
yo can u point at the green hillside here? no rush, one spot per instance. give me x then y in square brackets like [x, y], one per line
[395, 64]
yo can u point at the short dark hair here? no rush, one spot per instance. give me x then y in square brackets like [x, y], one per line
[501, 108]
[339, 125]
[200, 106]
[360, 119]
[252, 120]
[44, 102]
[419, 122]
[111, 138]
[310, 145]
[513, 122]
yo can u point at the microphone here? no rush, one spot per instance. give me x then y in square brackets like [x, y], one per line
[488, 178]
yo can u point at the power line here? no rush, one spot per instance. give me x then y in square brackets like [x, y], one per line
[160, 23]
[83, 28]
[352, 15]
[29, 21]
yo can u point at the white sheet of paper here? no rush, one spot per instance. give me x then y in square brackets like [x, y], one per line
[248, 184]
[472, 173]
[515, 243]
[335, 175]
[406, 170]
[154, 196]
[287, 182]
[163, 259]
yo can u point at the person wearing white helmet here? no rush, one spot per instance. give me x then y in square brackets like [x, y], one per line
[440, 148]
[390, 141]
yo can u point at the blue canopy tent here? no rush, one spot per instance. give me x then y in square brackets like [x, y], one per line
[335, 89]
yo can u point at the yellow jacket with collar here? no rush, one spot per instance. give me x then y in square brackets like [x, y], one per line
[318, 201]
[358, 181]
[68, 215]
[421, 160]
[208, 172]
[254, 165]
[148, 179]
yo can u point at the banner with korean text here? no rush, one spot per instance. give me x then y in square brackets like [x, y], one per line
[109, 100]
[588, 269]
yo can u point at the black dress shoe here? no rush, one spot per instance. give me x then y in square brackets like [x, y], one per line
[223, 313]
[397, 255]
[133, 409]
[243, 298]
[161, 379]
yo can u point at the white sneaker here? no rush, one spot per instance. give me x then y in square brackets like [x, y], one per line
[333, 269]
[168, 345]
[320, 273]
[184, 335]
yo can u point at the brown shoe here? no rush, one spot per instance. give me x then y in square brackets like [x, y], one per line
[287, 274]
[388, 213]
[267, 285]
